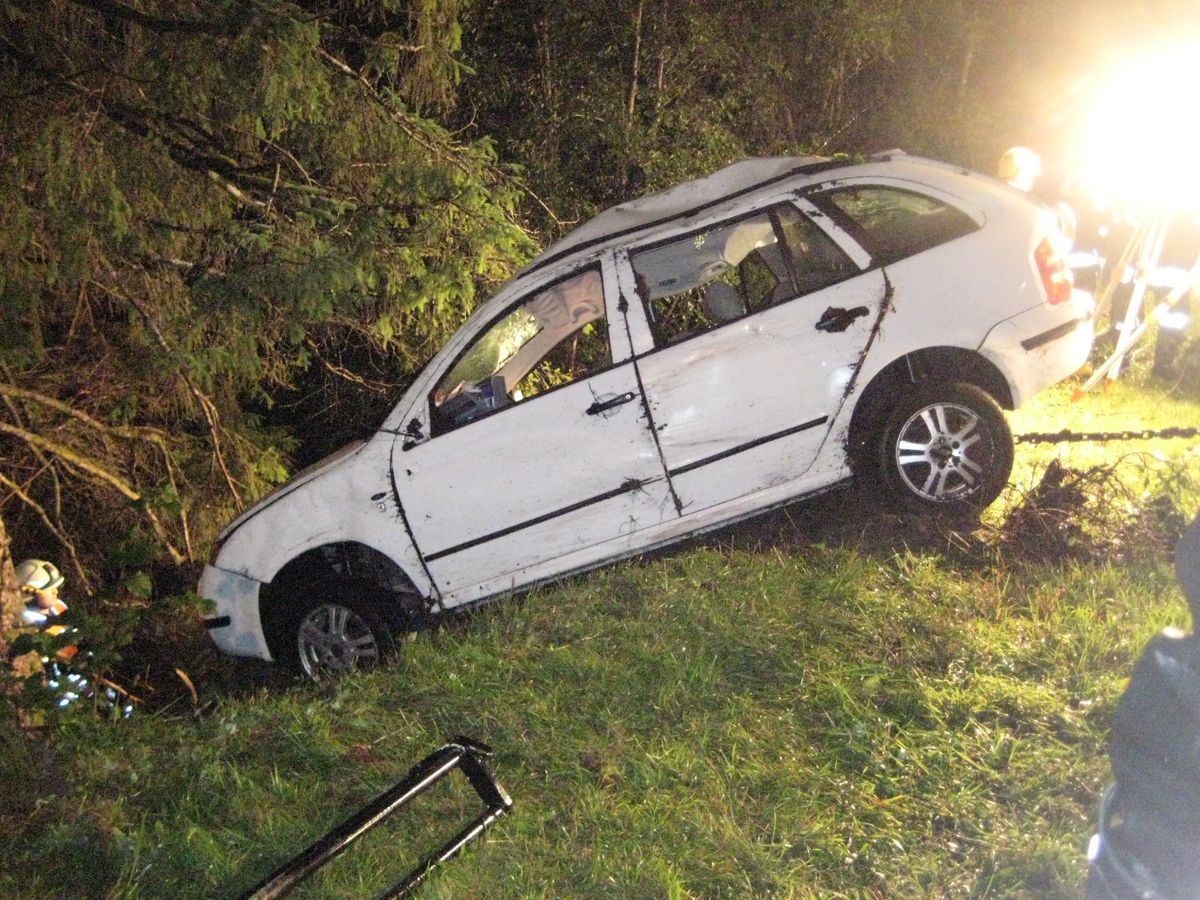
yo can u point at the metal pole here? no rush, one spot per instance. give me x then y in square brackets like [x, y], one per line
[459, 753]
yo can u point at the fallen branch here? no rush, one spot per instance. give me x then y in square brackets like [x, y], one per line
[50, 526]
[152, 435]
[93, 468]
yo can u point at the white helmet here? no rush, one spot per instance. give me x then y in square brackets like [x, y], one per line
[1020, 166]
[38, 575]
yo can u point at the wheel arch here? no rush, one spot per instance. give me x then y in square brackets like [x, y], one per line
[398, 601]
[927, 364]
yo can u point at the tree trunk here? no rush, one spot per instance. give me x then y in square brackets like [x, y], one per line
[631, 105]
[10, 597]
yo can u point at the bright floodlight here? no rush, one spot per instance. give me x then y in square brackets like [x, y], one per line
[1144, 132]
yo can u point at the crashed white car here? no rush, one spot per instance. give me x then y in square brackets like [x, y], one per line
[680, 362]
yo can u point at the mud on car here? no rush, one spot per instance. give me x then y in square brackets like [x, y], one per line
[681, 361]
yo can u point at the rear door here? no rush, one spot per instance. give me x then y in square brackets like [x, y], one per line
[754, 327]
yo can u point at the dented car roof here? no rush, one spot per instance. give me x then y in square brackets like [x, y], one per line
[682, 199]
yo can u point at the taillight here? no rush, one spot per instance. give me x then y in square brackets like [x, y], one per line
[1056, 277]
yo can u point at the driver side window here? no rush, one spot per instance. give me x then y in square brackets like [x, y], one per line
[551, 338]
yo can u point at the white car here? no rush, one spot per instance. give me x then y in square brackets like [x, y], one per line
[680, 362]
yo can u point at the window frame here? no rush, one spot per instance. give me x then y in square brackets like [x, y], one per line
[770, 209]
[820, 197]
[438, 427]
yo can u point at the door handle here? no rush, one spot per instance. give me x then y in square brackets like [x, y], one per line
[837, 319]
[604, 405]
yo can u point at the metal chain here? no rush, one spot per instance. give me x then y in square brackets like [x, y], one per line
[1071, 437]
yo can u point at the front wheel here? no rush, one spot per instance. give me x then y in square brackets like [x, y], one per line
[945, 447]
[339, 633]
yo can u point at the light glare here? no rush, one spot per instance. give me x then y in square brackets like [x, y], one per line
[1143, 133]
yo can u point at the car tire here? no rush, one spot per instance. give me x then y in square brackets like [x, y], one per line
[337, 632]
[945, 448]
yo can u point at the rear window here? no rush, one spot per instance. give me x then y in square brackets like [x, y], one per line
[891, 223]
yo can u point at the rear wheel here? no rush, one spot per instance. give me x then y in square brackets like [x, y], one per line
[945, 447]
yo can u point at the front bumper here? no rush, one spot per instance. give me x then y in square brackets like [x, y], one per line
[235, 623]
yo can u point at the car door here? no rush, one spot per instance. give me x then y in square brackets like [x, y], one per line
[537, 450]
[753, 328]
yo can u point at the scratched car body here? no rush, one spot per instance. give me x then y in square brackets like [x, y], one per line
[679, 362]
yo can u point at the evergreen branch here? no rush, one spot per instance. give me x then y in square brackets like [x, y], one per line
[207, 407]
[51, 527]
[181, 139]
[403, 121]
[220, 170]
[161, 25]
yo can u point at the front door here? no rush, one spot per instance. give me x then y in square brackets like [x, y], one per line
[539, 450]
[757, 324]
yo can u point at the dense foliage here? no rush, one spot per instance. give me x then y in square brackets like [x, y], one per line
[202, 202]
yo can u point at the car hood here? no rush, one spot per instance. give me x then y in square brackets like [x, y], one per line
[304, 476]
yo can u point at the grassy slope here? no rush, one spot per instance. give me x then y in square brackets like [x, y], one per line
[790, 709]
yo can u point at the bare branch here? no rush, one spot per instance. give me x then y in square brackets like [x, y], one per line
[99, 472]
[47, 464]
[379, 387]
[76, 459]
[153, 435]
[52, 528]
[234, 191]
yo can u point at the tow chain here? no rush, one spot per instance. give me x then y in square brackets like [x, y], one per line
[1067, 436]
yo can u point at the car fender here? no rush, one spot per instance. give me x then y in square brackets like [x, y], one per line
[1041, 346]
[350, 499]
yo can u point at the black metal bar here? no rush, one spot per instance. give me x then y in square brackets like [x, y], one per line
[449, 849]
[460, 752]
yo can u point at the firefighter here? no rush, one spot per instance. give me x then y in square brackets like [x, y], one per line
[1020, 167]
[38, 582]
[1176, 288]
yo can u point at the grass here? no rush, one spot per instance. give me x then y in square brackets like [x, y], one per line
[809, 705]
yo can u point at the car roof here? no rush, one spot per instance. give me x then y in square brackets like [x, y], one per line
[739, 179]
[735, 180]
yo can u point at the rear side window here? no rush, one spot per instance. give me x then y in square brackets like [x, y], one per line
[892, 223]
[698, 282]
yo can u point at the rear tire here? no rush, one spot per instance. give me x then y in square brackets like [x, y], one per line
[945, 448]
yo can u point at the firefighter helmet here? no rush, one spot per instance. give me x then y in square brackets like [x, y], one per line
[1020, 167]
[38, 575]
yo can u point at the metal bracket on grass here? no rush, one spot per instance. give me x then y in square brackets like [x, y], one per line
[460, 753]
